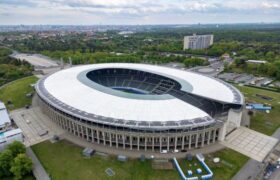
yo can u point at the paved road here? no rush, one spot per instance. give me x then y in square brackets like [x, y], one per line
[249, 170]
[38, 170]
[275, 175]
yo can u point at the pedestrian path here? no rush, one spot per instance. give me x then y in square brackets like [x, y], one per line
[38, 170]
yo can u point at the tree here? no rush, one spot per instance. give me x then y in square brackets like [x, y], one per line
[16, 148]
[21, 166]
[6, 157]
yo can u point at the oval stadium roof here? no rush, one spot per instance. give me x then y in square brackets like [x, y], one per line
[66, 90]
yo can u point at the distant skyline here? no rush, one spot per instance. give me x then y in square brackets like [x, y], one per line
[133, 12]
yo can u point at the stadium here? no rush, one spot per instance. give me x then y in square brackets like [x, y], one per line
[141, 107]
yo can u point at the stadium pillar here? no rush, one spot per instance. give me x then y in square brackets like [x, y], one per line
[208, 137]
[77, 129]
[97, 133]
[190, 141]
[183, 142]
[168, 143]
[202, 141]
[130, 138]
[87, 134]
[123, 137]
[82, 131]
[160, 144]
[110, 139]
[73, 128]
[214, 136]
[196, 140]
[117, 140]
[153, 143]
[92, 135]
[138, 139]
[175, 142]
[104, 138]
[145, 143]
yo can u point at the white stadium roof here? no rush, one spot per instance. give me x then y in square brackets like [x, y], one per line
[67, 89]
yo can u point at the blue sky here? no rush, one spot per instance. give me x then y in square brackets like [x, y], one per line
[88, 12]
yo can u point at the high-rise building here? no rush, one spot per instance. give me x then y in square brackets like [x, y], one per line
[198, 41]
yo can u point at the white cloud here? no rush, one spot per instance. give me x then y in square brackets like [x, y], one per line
[144, 10]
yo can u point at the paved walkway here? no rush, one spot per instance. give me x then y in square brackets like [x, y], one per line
[38, 170]
[250, 143]
[32, 121]
[252, 168]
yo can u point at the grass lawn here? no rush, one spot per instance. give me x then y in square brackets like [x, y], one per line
[63, 160]
[230, 163]
[261, 121]
[16, 92]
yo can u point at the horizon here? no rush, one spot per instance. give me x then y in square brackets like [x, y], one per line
[194, 24]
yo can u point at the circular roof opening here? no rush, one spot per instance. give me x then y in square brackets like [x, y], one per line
[133, 81]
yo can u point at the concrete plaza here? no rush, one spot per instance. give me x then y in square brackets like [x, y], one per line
[31, 122]
[250, 143]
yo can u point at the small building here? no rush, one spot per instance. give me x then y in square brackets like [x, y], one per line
[225, 56]
[256, 61]
[5, 121]
[88, 152]
[261, 107]
[122, 158]
[9, 137]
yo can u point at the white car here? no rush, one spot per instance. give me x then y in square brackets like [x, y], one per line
[175, 151]
[163, 151]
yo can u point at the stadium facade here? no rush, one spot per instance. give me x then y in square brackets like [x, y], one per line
[140, 107]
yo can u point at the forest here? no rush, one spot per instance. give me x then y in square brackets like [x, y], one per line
[12, 69]
[257, 42]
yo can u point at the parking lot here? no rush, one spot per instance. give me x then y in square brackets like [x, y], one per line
[36, 60]
[35, 125]
[247, 79]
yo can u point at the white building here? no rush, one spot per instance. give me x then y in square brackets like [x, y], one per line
[5, 121]
[198, 41]
[256, 61]
[9, 137]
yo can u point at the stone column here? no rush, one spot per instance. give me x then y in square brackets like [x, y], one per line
[190, 141]
[130, 138]
[123, 137]
[209, 137]
[175, 143]
[138, 141]
[153, 143]
[92, 135]
[104, 138]
[117, 141]
[168, 143]
[145, 143]
[203, 138]
[110, 139]
[160, 143]
[183, 142]
[97, 134]
[196, 140]
[87, 134]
